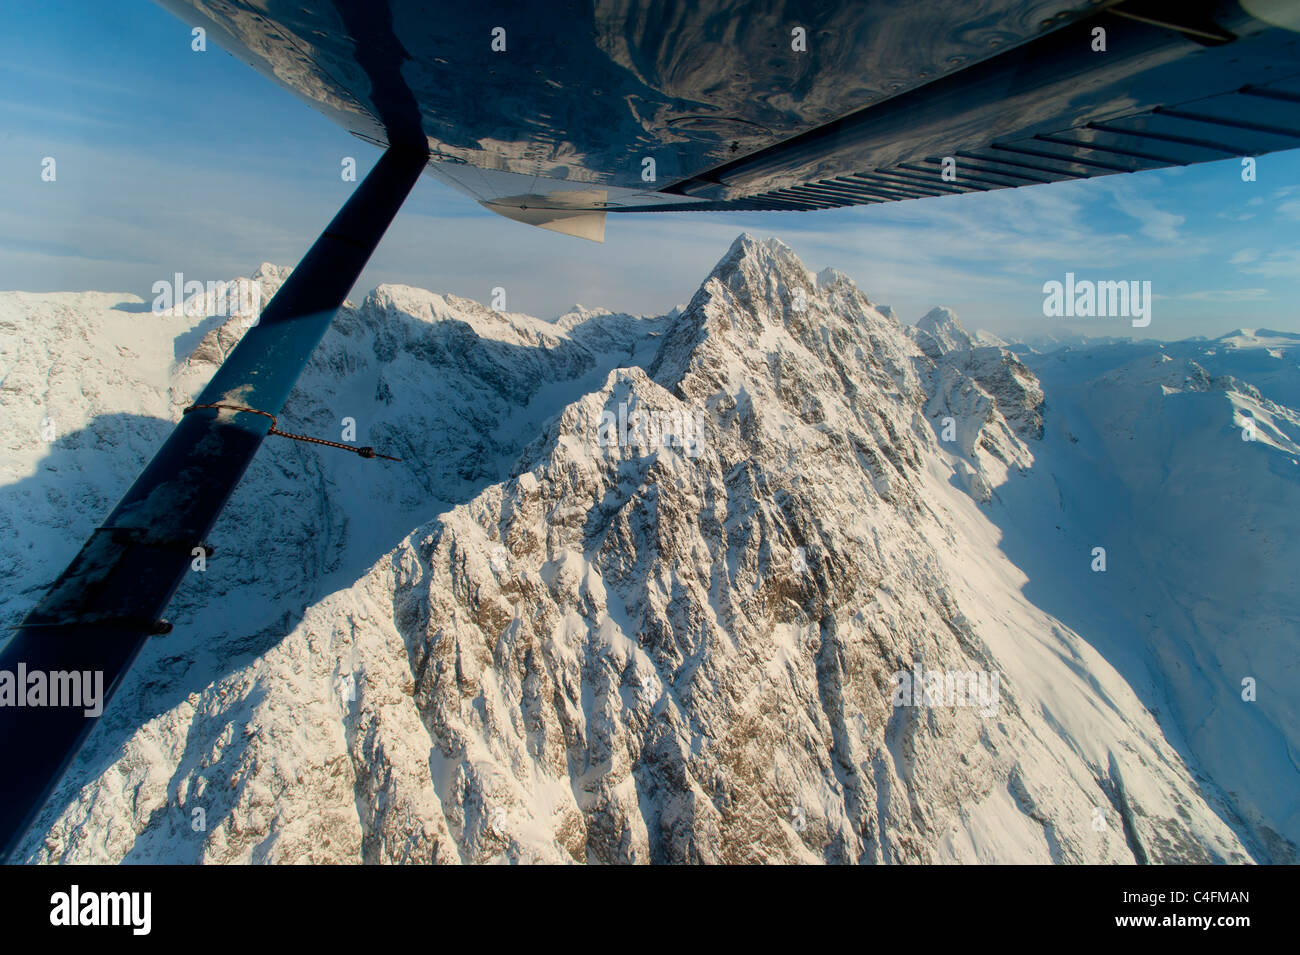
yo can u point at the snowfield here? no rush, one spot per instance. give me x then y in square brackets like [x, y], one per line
[527, 642]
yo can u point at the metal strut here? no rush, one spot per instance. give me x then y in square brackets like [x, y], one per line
[363, 452]
[102, 609]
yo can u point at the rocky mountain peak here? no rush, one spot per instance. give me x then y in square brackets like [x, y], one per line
[939, 331]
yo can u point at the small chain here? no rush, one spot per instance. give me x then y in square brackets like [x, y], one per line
[363, 452]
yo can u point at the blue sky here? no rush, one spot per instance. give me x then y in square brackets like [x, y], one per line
[170, 160]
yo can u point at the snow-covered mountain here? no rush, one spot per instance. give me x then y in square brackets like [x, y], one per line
[646, 589]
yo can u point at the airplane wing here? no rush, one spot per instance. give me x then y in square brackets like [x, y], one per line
[558, 113]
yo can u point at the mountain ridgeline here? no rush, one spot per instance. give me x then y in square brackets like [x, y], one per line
[771, 578]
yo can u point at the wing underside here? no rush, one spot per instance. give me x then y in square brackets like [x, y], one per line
[555, 114]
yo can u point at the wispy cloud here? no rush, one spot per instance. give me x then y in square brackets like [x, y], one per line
[1290, 210]
[1228, 295]
[1283, 263]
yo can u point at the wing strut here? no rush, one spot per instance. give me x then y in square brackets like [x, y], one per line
[97, 616]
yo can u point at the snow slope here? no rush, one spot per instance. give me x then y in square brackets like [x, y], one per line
[1144, 454]
[525, 643]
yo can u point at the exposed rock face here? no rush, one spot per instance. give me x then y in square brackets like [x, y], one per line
[983, 398]
[664, 578]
